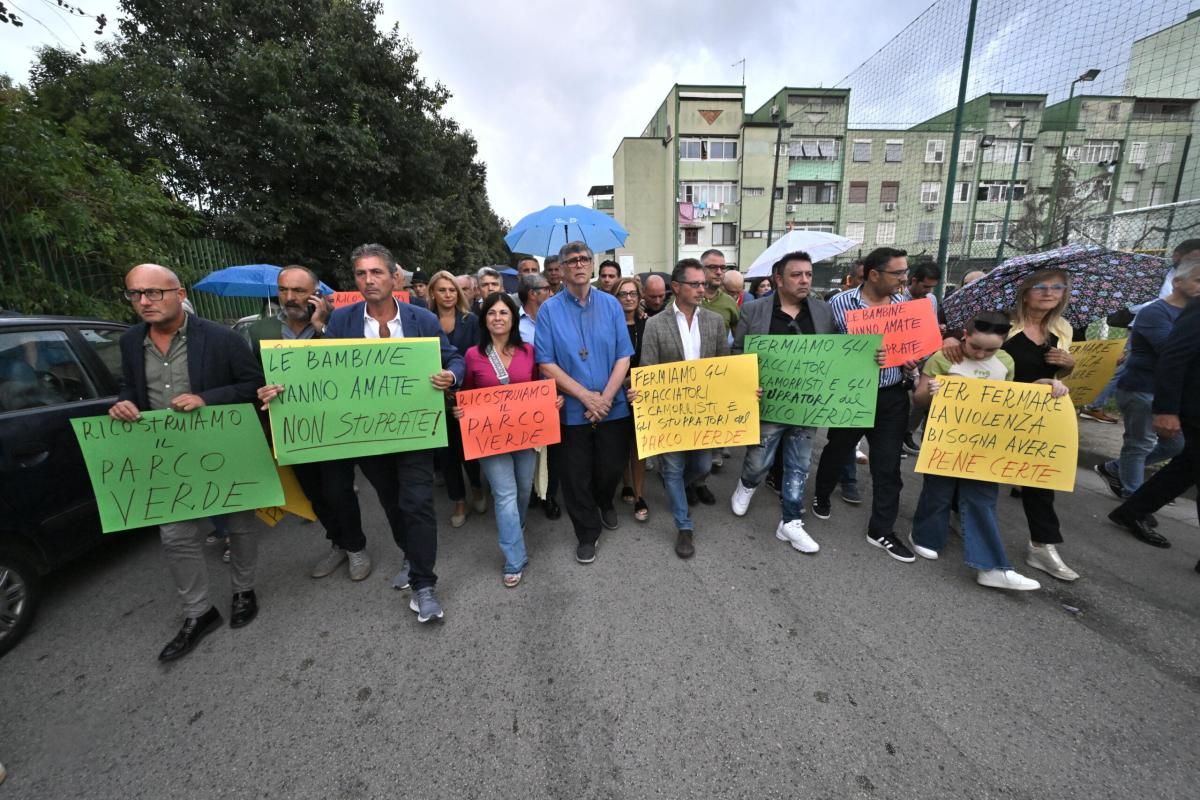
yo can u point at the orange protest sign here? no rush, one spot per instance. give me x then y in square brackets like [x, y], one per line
[504, 419]
[350, 298]
[910, 330]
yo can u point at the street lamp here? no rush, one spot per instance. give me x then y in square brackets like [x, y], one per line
[1086, 77]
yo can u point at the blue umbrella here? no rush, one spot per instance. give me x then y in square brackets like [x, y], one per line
[249, 280]
[545, 232]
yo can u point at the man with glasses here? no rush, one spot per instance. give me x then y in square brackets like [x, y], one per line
[533, 290]
[715, 299]
[885, 274]
[583, 346]
[654, 294]
[178, 361]
[791, 310]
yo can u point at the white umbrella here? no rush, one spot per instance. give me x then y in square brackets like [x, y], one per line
[818, 244]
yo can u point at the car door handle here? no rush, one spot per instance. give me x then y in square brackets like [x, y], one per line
[33, 455]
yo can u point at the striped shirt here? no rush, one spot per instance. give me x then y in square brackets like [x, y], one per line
[852, 299]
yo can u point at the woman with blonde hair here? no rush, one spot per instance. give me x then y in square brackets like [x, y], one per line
[628, 291]
[1038, 344]
[447, 301]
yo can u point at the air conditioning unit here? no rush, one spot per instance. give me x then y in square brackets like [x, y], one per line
[791, 209]
[889, 206]
[930, 206]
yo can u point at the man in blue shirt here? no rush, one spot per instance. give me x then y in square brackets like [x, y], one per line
[582, 345]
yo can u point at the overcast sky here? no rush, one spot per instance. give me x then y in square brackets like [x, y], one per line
[549, 88]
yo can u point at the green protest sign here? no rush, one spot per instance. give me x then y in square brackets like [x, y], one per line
[821, 381]
[171, 466]
[345, 398]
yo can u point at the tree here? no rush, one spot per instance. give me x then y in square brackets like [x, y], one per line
[1072, 203]
[294, 126]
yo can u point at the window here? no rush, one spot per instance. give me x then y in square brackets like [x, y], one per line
[997, 192]
[709, 193]
[813, 149]
[962, 192]
[105, 344]
[754, 234]
[39, 368]
[812, 192]
[815, 100]
[931, 192]
[694, 149]
[987, 231]
[1165, 151]
[925, 232]
[889, 192]
[1014, 104]
[778, 192]
[691, 236]
[856, 231]
[935, 151]
[885, 233]
[966, 151]
[893, 150]
[956, 231]
[1158, 193]
[754, 191]
[858, 192]
[1128, 192]
[862, 150]
[724, 233]
[1094, 151]
[824, 227]
[1003, 151]
[1137, 153]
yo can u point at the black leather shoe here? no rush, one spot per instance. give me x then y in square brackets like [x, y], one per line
[684, 547]
[1139, 527]
[245, 609]
[690, 493]
[551, 508]
[704, 495]
[190, 634]
[608, 518]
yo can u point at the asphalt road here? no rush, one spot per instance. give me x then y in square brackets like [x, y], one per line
[750, 671]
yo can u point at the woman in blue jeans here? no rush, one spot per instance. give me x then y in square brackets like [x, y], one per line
[501, 358]
[983, 549]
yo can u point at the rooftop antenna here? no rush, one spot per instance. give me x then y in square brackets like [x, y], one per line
[743, 63]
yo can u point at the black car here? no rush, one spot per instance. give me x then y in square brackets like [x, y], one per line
[51, 370]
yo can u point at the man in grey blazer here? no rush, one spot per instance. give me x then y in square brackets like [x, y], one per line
[684, 332]
[791, 310]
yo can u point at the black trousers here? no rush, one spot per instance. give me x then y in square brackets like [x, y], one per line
[452, 462]
[1181, 473]
[891, 423]
[1040, 515]
[311, 478]
[590, 461]
[404, 484]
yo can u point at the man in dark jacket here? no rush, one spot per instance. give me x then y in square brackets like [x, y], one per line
[177, 361]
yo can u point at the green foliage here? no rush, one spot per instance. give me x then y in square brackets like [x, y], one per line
[73, 218]
[295, 126]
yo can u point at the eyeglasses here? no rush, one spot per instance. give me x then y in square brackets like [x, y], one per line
[571, 262]
[1001, 328]
[896, 272]
[627, 295]
[539, 288]
[134, 295]
[691, 284]
[1049, 287]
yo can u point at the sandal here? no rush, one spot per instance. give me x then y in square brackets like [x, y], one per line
[641, 511]
[511, 579]
[627, 495]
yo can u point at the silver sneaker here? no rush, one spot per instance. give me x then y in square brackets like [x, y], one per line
[426, 605]
[329, 562]
[360, 565]
[401, 579]
[1046, 558]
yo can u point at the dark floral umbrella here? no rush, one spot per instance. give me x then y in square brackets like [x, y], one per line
[1102, 281]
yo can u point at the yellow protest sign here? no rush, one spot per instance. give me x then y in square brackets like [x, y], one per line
[1095, 363]
[696, 405]
[294, 500]
[1003, 432]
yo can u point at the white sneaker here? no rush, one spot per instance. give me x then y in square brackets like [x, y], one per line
[794, 533]
[741, 498]
[360, 565]
[329, 562]
[1046, 558]
[923, 552]
[1006, 579]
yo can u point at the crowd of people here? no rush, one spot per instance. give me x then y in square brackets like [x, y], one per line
[584, 327]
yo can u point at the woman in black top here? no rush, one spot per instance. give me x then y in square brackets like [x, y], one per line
[1037, 344]
[629, 294]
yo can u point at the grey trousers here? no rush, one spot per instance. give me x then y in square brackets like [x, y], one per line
[183, 545]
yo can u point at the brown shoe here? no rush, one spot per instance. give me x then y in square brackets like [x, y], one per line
[684, 548]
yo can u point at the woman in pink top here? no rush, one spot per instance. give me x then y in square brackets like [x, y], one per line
[502, 358]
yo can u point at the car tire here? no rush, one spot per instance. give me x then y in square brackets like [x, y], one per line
[19, 595]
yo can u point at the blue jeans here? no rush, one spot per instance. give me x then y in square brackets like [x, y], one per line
[1107, 392]
[982, 547]
[680, 470]
[511, 478]
[1141, 445]
[797, 458]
